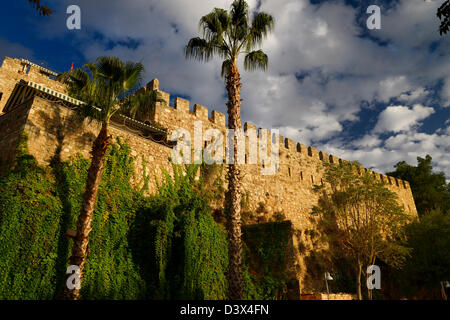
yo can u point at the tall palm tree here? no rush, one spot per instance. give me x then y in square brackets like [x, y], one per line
[103, 86]
[228, 35]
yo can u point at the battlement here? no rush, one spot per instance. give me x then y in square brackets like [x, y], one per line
[180, 112]
[180, 116]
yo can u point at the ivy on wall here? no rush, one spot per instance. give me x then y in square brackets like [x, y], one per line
[166, 246]
[140, 247]
[266, 258]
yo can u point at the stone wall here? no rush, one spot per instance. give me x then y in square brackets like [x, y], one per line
[11, 126]
[288, 195]
[14, 70]
[54, 130]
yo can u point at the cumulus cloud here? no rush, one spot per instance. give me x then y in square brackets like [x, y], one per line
[393, 87]
[414, 95]
[401, 118]
[368, 141]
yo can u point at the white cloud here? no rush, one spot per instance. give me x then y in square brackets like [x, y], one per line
[392, 87]
[401, 118]
[446, 92]
[368, 141]
[414, 95]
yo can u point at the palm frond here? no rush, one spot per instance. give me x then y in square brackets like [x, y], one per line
[214, 24]
[262, 25]
[256, 60]
[132, 75]
[110, 68]
[226, 65]
[92, 112]
[239, 13]
[199, 49]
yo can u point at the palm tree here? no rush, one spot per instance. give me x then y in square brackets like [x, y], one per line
[227, 35]
[103, 86]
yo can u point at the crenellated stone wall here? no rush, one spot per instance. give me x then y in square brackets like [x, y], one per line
[55, 130]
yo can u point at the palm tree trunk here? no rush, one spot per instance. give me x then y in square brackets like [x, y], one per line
[233, 195]
[81, 240]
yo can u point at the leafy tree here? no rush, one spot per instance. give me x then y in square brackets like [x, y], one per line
[103, 86]
[429, 189]
[228, 35]
[43, 10]
[429, 263]
[443, 13]
[360, 217]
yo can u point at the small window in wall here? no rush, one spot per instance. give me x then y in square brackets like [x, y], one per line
[301, 175]
[289, 169]
[312, 179]
[1, 96]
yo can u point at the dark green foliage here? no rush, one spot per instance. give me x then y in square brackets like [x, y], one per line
[172, 233]
[110, 272]
[430, 190]
[265, 255]
[429, 263]
[360, 219]
[190, 248]
[29, 224]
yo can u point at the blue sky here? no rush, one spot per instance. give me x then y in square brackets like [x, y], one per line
[377, 96]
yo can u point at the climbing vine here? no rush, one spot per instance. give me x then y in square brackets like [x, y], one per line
[172, 233]
[266, 258]
[166, 246]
